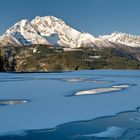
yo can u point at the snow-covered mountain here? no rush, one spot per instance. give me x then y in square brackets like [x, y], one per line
[44, 30]
[50, 30]
[122, 38]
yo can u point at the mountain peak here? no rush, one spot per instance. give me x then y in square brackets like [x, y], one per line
[47, 19]
[50, 30]
[122, 39]
[18, 25]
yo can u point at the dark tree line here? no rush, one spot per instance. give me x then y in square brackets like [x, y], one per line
[7, 64]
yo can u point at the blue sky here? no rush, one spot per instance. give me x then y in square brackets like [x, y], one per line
[94, 16]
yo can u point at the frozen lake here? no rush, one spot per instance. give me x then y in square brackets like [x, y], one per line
[35, 101]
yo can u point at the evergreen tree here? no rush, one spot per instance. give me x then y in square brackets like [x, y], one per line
[13, 64]
[1, 62]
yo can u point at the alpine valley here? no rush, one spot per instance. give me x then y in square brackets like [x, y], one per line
[49, 44]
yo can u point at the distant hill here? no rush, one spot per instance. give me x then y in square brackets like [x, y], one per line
[38, 58]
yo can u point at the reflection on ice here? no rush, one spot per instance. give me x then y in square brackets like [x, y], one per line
[135, 119]
[122, 86]
[111, 132]
[85, 80]
[102, 90]
[14, 133]
[14, 79]
[12, 102]
[73, 79]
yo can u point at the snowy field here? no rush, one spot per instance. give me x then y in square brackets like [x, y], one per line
[46, 100]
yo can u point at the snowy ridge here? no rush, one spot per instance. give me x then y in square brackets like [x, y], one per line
[122, 38]
[47, 30]
[50, 30]
[25, 33]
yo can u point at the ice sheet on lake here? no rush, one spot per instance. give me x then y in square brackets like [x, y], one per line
[12, 102]
[135, 119]
[73, 79]
[102, 90]
[111, 132]
[84, 80]
[14, 133]
[50, 106]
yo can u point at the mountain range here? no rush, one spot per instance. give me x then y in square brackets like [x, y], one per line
[50, 30]
[49, 44]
